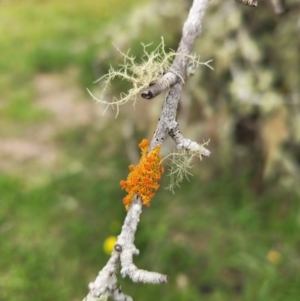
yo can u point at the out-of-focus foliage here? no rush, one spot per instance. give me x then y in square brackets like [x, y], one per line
[231, 233]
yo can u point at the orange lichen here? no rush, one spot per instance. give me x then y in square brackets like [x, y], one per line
[143, 178]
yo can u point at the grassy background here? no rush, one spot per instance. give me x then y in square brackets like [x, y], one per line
[212, 237]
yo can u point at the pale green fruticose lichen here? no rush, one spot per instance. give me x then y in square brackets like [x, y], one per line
[140, 75]
[180, 164]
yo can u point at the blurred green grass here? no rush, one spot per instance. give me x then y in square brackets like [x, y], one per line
[49, 36]
[217, 237]
[215, 234]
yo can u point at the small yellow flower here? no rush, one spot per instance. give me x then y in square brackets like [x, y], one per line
[274, 257]
[109, 244]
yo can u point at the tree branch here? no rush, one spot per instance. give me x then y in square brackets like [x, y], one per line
[105, 285]
[191, 30]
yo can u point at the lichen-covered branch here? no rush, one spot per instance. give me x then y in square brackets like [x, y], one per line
[127, 249]
[191, 30]
[105, 285]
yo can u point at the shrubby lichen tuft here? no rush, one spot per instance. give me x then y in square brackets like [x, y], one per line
[140, 75]
[180, 164]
